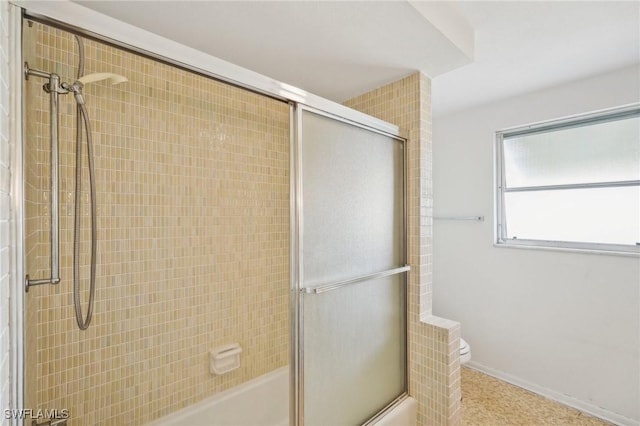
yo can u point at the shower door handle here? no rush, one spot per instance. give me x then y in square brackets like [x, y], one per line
[339, 284]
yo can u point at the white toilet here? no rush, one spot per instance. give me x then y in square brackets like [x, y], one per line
[465, 351]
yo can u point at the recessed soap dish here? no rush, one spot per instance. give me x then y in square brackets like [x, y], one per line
[224, 359]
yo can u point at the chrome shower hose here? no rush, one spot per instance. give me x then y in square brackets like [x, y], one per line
[83, 118]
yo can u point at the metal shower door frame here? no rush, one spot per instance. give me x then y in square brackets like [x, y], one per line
[17, 221]
[296, 380]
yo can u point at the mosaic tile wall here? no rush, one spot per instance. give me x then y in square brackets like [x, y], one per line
[193, 237]
[434, 367]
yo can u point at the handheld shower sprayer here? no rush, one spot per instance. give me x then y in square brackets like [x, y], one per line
[76, 89]
[54, 87]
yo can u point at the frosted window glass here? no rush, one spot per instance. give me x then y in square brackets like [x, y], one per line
[599, 152]
[354, 350]
[596, 215]
[352, 192]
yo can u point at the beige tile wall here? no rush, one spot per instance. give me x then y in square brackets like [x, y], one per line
[193, 237]
[434, 368]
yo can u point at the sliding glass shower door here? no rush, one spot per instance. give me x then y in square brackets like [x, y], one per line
[350, 270]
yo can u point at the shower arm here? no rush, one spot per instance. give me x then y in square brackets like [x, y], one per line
[54, 89]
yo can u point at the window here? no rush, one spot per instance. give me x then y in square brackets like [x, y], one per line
[571, 183]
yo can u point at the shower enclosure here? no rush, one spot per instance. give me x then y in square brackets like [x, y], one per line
[222, 216]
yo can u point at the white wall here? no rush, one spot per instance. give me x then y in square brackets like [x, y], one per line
[5, 341]
[563, 323]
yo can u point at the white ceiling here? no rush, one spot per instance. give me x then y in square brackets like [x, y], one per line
[526, 46]
[333, 49]
[340, 49]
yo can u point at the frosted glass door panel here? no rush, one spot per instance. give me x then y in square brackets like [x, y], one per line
[353, 185]
[354, 351]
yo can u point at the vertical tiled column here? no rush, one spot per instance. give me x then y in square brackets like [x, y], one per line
[434, 368]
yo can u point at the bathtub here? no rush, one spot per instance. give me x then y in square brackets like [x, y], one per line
[264, 401]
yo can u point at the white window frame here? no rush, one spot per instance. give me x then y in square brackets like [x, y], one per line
[500, 184]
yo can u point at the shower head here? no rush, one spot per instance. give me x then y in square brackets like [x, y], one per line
[99, 76]
[76, 87]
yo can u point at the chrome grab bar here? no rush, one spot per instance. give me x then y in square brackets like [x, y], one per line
[476, 218]
[54, 89]
[339, 284]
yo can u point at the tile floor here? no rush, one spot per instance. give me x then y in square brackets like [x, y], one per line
[487, 401]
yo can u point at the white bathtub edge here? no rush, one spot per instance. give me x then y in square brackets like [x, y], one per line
[402, 414]
[219, 397]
